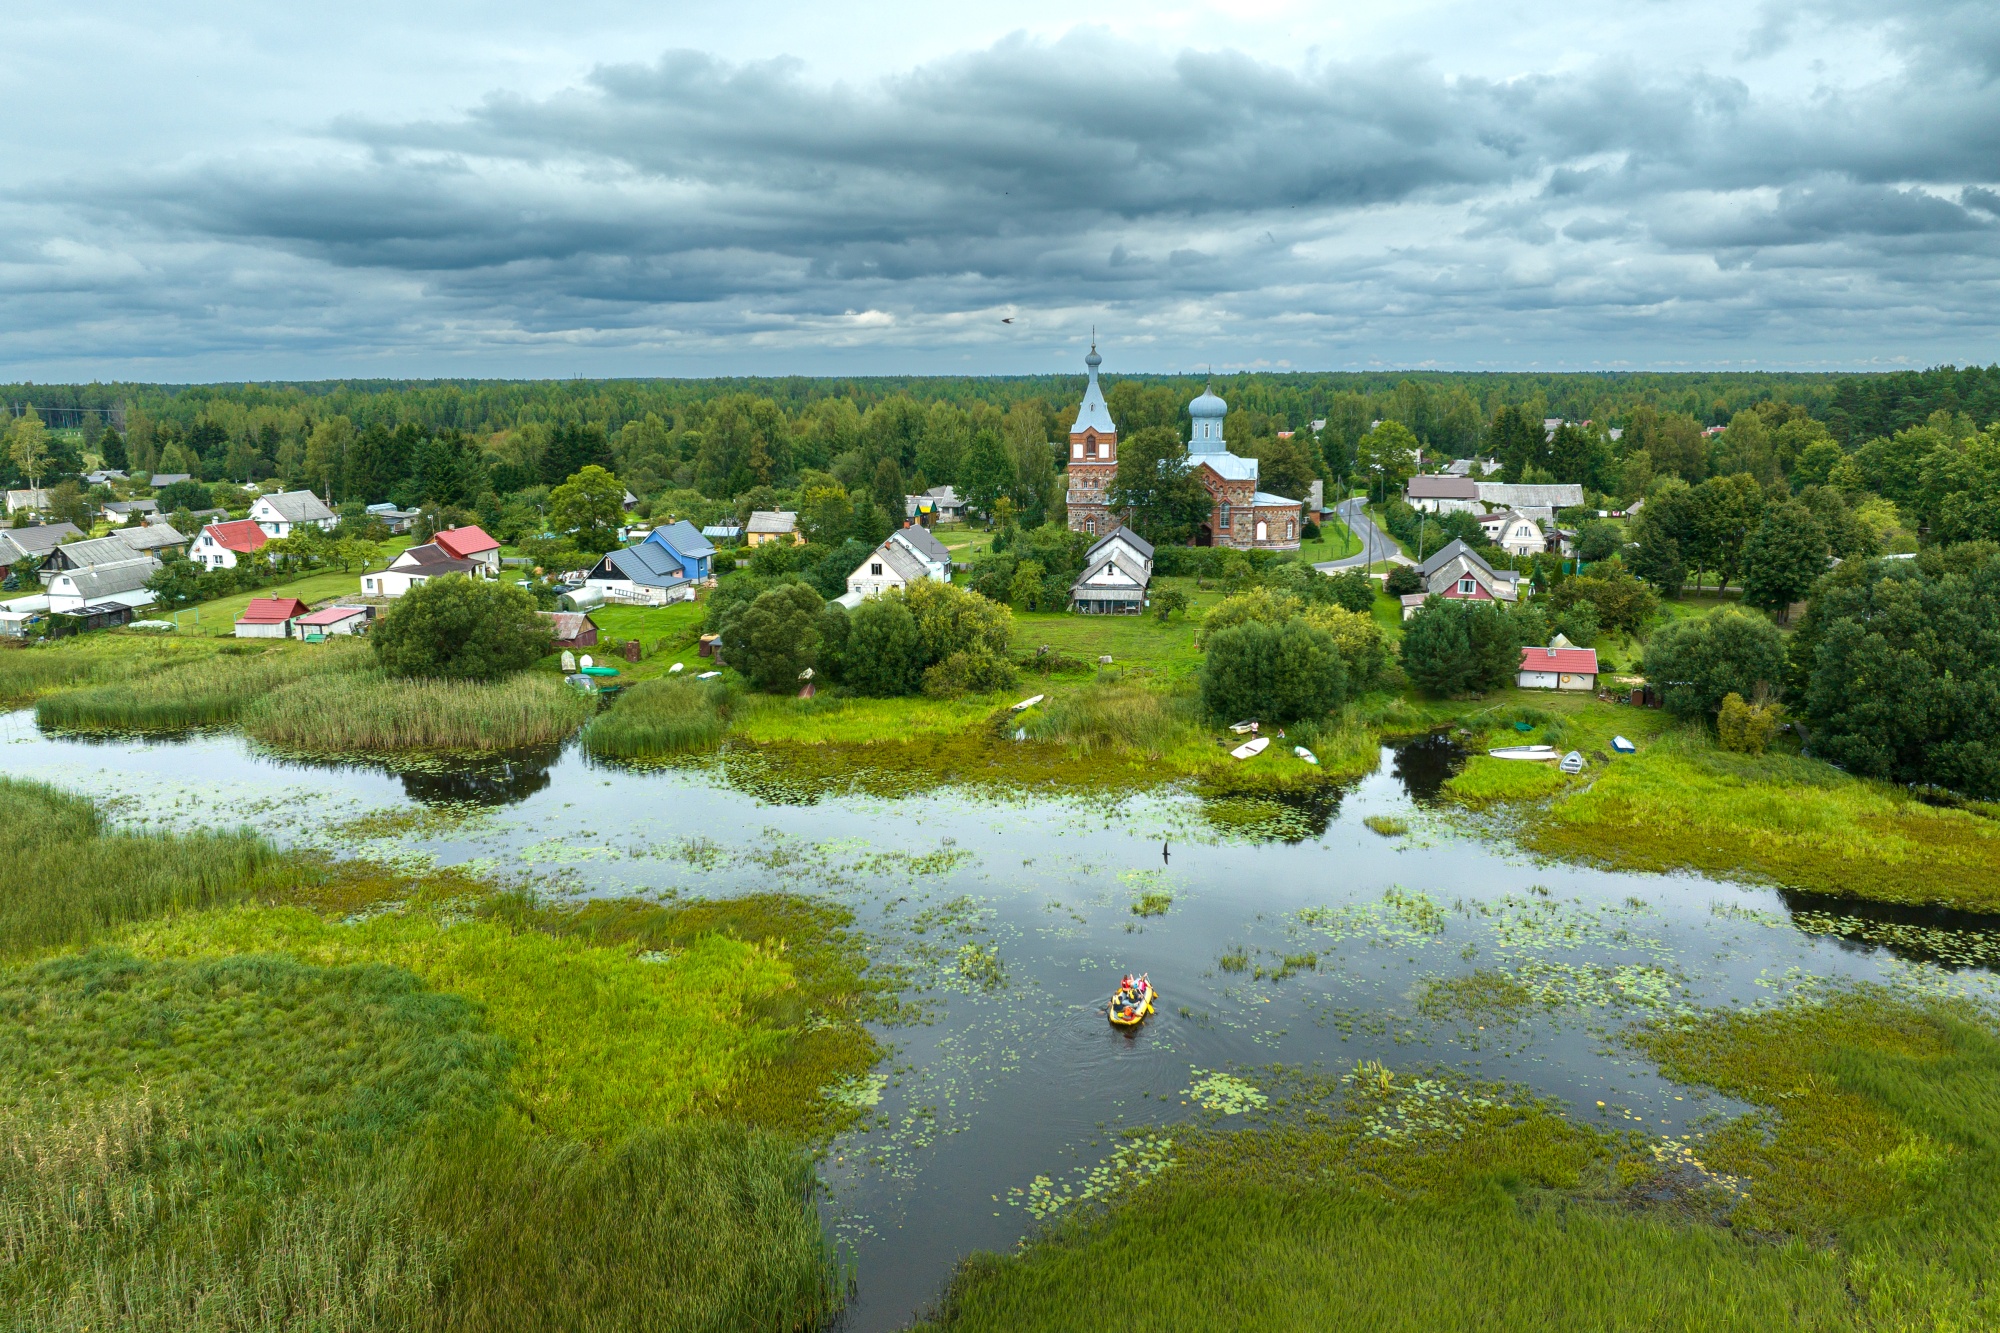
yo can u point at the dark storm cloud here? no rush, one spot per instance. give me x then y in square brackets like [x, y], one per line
[713, 199]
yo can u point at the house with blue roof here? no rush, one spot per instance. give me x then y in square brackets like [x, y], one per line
[685, 544]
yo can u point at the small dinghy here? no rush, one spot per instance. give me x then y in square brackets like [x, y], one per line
[1027, 703]
[1305, 754]
[1623, 746]
[1525, 752]
[1572, 762]
[1251, 749]
[1131, 1002]
[1242, 728]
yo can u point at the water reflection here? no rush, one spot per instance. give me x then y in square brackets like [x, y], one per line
[1424, 765]
[490, 780]
[1921, 934]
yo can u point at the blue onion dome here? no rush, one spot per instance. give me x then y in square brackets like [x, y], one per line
[1208, 405]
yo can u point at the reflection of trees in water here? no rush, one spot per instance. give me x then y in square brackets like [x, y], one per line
[1424, 765]
[1923, 934]
[488, 782]
[1316, 805]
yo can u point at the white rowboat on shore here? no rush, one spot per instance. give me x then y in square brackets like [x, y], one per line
[1547, 752]
[1251, 749]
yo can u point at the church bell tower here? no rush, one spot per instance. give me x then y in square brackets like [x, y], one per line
[1093, 458]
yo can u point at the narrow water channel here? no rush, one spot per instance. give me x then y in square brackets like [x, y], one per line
[1281, 932]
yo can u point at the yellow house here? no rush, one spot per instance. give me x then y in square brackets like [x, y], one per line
[773, 525]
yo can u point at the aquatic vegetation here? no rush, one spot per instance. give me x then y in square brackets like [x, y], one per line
[1153, 902]
[1387, 825]
[92, 659]
[1401, 917]
[371, 712]
[1488, 781]
[441, 1107]
[1121, 716]
[1225, 1094]
[1683, 804]
[1129, 1166]
[663, 716]
[211, 691]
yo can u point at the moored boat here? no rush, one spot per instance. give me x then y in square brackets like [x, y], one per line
[1526, 752]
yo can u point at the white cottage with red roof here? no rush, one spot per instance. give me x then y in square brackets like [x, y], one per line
[220, 544]
[1558, 668]
[470, 543]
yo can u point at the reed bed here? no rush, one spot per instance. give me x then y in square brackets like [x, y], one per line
[29, 671]
[67, 878]
[472, 1111]
[1117, 716]
[659, 718]
[213, 691]
[371, 712]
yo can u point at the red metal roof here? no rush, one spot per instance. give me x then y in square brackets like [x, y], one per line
[333, 615]
[243, 535]
[465, 542]
[272, 610]
[1570, 661]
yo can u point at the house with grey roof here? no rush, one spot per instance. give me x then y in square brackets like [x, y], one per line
[1536, 501]
[88, 554]
[29, 498]
[283, 514]
[32, 543]
[122, 584]
[1435, 493]
[1117, 570]
[415, 567]
[151, 538]
[926, 548]
[649, 574]
[124, 511]
[1459, 573]
[159, 479]
[890, 565]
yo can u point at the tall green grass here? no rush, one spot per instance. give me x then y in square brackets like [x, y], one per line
[65, 878]
[371, 712]
[1119, 716]
[457, 1110]
[660, 717]
[212, 691]
[27, 671]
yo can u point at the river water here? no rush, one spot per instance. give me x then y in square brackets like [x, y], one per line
[1277, 933]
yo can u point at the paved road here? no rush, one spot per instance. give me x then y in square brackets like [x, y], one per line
[1375, 543]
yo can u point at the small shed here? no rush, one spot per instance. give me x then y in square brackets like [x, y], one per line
[1558, 668]
[270, 617]
[573, 629]
[324, 624]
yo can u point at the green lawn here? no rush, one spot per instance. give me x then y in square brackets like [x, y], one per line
[1140, 641]
[1336, 542]
[666, 635]
[219, 616]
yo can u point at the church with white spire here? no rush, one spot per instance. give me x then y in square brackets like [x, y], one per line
[1240, 515]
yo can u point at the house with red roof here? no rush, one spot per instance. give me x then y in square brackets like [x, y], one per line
[472, 544]
[220, 544]
[322, 625]
[270, 617]
[1558, 667]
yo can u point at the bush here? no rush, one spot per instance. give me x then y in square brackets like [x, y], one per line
[1453, 647]
[1282, 672]
[459, 628]
[1745, 728]
[776, 637]
[1403, 580]
[883, 655]
[1621, 601]
[1578, 624]
[977, 672]
[950, 619]
[1166, 601]
[1354, 591]
[1696, 663]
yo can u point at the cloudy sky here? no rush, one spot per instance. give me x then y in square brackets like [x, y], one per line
[219, 189]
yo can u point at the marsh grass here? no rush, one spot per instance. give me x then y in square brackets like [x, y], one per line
[1121, 717]
[1864, 1193]
[830, 719]
[371, 712]
[443, 1108]
[1387, 825]
[1683, 804]
[90, 659]
[67, 877]
[661, 717]
[1485, 781]
[210, 691]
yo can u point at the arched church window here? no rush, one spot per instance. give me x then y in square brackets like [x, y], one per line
[1260, 530]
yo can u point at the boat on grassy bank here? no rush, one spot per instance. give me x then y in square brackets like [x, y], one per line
[1536, 752]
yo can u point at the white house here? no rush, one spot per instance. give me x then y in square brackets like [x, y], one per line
[890, 565]
[280, 514]
[648, 574]
[1536, 501]
[418, 565]
[220, 544]
[1514, 533]
[927, 548]
[121, 584]
[1442, 494]
[1457, 572]
[471, 543]
[120, 512]
[27, 499]
[334, 620]
[1558, 668]
[1117, 570]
